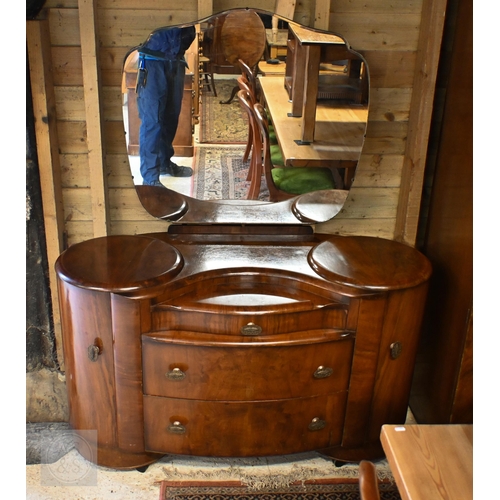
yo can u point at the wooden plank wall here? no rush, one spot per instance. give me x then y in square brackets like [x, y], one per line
[400, 40]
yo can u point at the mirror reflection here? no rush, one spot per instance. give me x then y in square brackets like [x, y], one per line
[244, 105]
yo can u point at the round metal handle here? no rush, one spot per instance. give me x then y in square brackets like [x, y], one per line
[316, 424]
[176, 374]
[176, 428]
[396, 349]
[93, 352]
[323, 372]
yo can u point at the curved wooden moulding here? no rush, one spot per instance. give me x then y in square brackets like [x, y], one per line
[310, 208]
[174, 341]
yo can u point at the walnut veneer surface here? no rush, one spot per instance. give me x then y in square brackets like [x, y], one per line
[238, 343]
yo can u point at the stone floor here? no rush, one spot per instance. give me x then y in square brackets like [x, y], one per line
[73, 478]
[55, 470]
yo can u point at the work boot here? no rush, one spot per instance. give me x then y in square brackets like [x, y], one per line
[153, 183]
[176, 170]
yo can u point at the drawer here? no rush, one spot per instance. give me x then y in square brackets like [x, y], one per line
[239, 429]
[258, 322]
[227, 371]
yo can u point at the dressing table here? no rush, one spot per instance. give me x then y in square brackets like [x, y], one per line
[239, 331]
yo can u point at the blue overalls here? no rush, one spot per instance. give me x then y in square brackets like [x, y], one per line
[159, 98]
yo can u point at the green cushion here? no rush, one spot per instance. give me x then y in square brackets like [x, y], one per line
[272, 133]
[276, 156]
[300, 180]
[272, 136]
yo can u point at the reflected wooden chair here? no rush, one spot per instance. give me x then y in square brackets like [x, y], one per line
[249, 75]
[255, 145]
[368, 482]
[285, 182]
[244, 85]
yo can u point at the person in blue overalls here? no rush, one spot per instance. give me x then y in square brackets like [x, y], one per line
[160, 86]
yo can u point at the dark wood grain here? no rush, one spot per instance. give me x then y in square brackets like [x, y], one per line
[243, 429]
[234, 335]
[122, 264]
[371, 263]
[96, 397]
[271, 372]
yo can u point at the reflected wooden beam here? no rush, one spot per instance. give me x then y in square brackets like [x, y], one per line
[322, 14]
[93, 111]
[285, 8]
[205, 8]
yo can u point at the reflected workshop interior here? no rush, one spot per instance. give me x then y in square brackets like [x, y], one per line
[277, 113]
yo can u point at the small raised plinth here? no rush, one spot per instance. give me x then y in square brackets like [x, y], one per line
[134, 266]
[369, 263]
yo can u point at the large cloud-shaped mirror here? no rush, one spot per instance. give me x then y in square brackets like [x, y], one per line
[244, 117]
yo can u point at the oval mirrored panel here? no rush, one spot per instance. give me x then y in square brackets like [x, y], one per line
[244, 117]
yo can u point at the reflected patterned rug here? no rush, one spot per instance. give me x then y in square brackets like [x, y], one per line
[319, 489]
[220, 174]
[222, 123]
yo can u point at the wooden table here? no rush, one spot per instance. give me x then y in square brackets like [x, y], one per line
[267, 69]
[430, 462]
[306, 50]
[276, 46]
[339, 129]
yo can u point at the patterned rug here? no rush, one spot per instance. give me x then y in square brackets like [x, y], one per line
[220, 174]
[222, 123]
[320, 489]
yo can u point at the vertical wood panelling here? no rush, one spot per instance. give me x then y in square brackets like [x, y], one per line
[285, 8]
[47, 144]
[205, 8]
[431, 31]
[322, 14]
[93, 113]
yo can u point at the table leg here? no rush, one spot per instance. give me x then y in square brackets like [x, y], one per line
[310, 93]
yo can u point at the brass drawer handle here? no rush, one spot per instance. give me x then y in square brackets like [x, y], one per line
[323, 372]
[175, 374]
[94, 350]
[176, 428]
[396, 349]
[251, 329]
[316, 424]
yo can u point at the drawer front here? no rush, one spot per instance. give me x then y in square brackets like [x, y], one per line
[245, 373]
[240, 429]
[249, 323]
